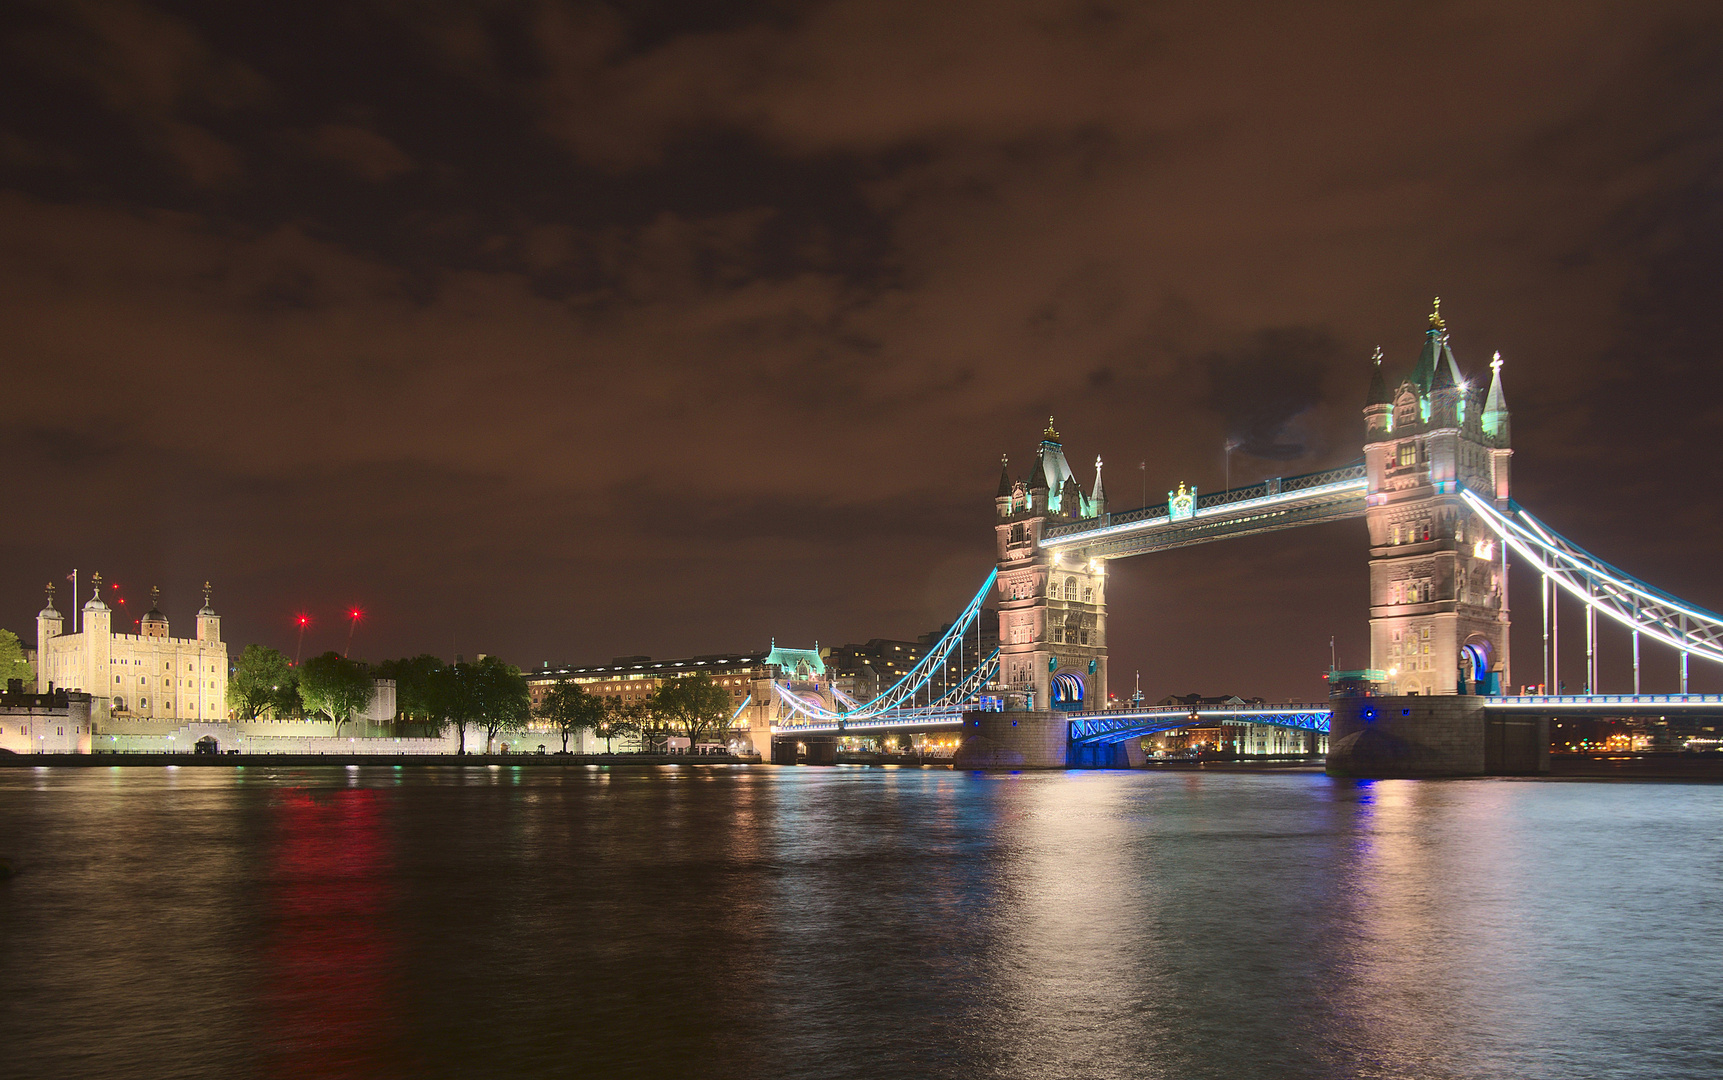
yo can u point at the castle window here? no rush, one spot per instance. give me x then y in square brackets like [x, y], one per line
[143, 679]
[143, 703]
[116, 678]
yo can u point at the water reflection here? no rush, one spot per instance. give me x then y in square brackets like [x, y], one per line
[332, 983]
[799, 922]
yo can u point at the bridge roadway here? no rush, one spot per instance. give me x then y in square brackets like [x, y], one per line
[1120, 725]
[1274, 504]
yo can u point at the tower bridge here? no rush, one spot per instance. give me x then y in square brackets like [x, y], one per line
[1434, 493]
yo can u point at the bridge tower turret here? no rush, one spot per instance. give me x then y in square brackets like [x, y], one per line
[1439, 615]
[1052, 613]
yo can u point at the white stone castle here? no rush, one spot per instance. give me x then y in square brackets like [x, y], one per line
[150, 674]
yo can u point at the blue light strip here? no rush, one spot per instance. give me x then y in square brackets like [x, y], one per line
[916, 678]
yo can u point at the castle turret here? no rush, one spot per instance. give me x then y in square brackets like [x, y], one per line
[98, 643]
[1379, 401]
[49, 624]
[1098, 498]
[154, 623]
[1495, 417]
[208, 622]
[1007, 488]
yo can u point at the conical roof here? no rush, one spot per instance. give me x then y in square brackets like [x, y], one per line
[1005, 484]
[1378, 394]
[1496, 404]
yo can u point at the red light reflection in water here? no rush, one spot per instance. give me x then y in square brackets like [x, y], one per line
[331, 970]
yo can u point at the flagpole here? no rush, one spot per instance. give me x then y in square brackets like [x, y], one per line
[75, 601]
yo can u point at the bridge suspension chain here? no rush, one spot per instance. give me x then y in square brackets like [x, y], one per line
[1601, 587]
[915, 679]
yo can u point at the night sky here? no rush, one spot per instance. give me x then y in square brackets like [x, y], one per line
[564, 331]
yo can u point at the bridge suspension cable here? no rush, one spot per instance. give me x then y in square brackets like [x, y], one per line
[916, 679]
[1603, 588]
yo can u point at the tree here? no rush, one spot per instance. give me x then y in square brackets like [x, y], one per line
[500, 697]
[694, 703]
[12, 662]
[449, 697]
[418, 696]
[570, 709]
[335, 686]
[618, 718]
[255, 685]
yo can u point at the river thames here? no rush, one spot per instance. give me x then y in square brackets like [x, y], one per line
[853, 922]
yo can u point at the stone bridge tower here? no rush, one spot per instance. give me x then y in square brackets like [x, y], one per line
[1438, 577]
[1052, 612]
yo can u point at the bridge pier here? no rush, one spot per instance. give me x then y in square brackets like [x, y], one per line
[1120, 755]
[1012, 740]
[819, 751]
[1444, 735]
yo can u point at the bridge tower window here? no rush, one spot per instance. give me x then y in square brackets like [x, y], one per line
[1408, 454]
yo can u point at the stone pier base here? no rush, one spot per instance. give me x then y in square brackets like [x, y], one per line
[1012, 740]
[1388, 737]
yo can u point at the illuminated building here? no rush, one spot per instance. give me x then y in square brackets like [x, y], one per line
[150, 674]
[1438, 578]
[1052, 610]
[56, 723]
[747, 676]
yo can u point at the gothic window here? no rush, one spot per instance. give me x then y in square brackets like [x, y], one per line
[1070, 588]
[1083, 636]
[1408, 454]
[1088, 596]
[1058, 636]
[1053, 590]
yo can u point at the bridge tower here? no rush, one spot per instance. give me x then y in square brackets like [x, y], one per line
[1052, 610]
[1438, 580]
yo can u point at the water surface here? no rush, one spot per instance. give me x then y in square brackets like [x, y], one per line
[801, 922]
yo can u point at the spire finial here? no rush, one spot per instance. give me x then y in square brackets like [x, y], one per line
[1436, 322]
[1050, 433]
[1005, 459]
[1377, 356]
[206, 592]
[96, 584]
[50, 594]
[155, 596]
[1496, 364]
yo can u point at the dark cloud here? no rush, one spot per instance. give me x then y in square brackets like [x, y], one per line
[1261, 388]
[564, 330]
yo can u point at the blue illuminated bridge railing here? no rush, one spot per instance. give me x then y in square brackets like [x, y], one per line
[1119, 725]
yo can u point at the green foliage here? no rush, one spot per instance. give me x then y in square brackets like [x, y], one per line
[335, 686]
[12, 662]
[619, 718]
[257, 682]
[694, 704]
[500, 697]
[419, 691]
[569, 709]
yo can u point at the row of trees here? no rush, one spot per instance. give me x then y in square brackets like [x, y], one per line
[486, 696]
